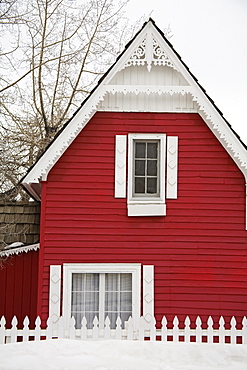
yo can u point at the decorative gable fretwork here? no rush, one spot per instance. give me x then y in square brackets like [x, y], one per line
[149, 52]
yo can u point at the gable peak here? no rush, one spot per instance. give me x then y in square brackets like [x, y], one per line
[149, 52]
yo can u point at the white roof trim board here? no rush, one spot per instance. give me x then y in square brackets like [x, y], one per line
[18, 250]
[149, 47]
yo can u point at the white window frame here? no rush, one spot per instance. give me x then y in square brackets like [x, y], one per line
[133, 268]
[144, 205]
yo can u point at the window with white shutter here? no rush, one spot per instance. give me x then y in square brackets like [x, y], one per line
[152, 172]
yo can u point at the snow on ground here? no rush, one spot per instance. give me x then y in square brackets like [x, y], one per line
[66, 354]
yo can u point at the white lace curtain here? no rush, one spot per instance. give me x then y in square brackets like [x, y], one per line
[101, 295]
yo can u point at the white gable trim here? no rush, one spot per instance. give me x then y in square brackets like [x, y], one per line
[206, 109]
[18, 250]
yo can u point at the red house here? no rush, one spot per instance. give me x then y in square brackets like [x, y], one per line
[143, 199]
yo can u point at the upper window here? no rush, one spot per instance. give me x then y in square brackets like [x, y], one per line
[146, 175]
[152, 172]
[146, 168]
[103, 290]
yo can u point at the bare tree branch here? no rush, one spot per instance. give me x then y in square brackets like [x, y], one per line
[55, 54]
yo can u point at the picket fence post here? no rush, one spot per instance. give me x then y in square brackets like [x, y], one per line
[107, 328]
[37, 330]
[84, 328]
[210, 330]
[2, 330]
[95, 328]
[233, 330]
[175, 329]
[244, 330]
[222, 330]
[164, 330]
[13, 330]
[198, 330]
[119, 328]
[49, 328]
[71, 328]
[187, 329]
[130, 329]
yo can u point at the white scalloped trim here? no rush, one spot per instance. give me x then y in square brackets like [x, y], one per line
[18, 250]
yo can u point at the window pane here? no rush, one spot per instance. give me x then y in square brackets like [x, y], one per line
[118, 296]
[152, 168]
[140, 150]
[111, 301]
[140, 185]
[126, 282]
[85, 297]
[152, 150]
[111, 282]
[126, 301]
[92, 282]
[77, 302]
[78, 282]
[151, 185]
[91, 301]
[140, 167]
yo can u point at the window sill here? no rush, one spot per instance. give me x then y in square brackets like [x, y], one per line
[148, 208]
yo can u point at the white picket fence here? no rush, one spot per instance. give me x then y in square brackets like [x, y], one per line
[142, 330]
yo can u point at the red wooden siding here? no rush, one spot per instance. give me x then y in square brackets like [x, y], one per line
[199, 248]
[18, 287]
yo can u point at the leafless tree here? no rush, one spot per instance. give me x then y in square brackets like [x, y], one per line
[52, 54]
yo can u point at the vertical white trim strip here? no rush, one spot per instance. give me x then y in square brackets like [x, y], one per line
[172, 167]
[55, 292]
[148, 292]
[120, 166]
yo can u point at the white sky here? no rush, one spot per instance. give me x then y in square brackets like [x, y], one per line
[211, 38]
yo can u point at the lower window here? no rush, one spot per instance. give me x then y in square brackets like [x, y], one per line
[101, 295]
[92, 290]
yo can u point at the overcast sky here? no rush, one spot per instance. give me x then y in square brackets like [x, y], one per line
[211, 38]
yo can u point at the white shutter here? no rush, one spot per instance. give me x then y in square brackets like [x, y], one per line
[172, 167]
[55, 293]
[148, 292]
[120, 166]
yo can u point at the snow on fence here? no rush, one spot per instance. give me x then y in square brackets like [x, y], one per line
[142, 330]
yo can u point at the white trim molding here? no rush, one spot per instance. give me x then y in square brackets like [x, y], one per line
[148, 292]
[55, 293]
[120, 166]
[17, 250]
[172, 167]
